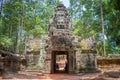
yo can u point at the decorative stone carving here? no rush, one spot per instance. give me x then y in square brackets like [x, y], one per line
[61, 38]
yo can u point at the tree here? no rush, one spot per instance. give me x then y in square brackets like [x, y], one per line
[102, 22]
[86, 17]
[32, 17]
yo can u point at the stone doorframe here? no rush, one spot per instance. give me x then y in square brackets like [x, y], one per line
[53, 60]
[70, 58]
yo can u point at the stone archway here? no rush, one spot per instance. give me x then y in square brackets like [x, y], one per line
[60, 62]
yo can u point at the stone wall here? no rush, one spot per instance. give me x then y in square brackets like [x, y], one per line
[11, 64]
[86, 52]
[47, 68]
[85, 61]
[111, 62]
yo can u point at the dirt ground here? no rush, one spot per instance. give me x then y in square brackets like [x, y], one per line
[39, 76]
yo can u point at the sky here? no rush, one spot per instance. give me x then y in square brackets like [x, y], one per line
[66, 3]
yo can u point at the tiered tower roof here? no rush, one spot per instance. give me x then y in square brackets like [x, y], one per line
[60, 20]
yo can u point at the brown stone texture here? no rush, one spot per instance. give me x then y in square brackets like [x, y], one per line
[81, 53]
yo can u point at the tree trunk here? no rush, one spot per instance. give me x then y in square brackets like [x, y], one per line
[1, 8]
[20, 29]
[10, 33]
[22, 21]
[25, 48]
[10, 36]
[35, 17]
[18, 38]
[103, 34]
[21, 45]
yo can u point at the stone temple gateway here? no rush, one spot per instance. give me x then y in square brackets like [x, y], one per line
[80, 53]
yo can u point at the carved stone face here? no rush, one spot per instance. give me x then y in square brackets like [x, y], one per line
[60, 16]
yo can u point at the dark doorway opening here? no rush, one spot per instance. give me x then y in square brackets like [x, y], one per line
[60, 62]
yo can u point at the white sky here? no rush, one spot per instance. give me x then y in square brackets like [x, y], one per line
[66, 3]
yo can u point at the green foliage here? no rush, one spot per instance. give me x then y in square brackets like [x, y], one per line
[5, 41]
[33, 17]
[87, 21]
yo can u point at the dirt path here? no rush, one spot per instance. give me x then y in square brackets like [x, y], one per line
[38, 76]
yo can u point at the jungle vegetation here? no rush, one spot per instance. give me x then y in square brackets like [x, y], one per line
[21, 18]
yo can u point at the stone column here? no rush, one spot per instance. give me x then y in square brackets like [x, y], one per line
[78, 54]
[41, 61]
[47, 67]
[71, 62]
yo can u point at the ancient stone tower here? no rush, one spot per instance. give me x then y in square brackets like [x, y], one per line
[60, 24]
[80, 53]
[60, 32]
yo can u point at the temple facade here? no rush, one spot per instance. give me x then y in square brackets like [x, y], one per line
[60, 50]
[80, 53]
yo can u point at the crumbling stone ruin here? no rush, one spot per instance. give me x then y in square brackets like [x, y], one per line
[109, 63]
[10, 62]
[81, 53]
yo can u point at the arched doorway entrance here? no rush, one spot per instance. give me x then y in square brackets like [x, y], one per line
[60, 62]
